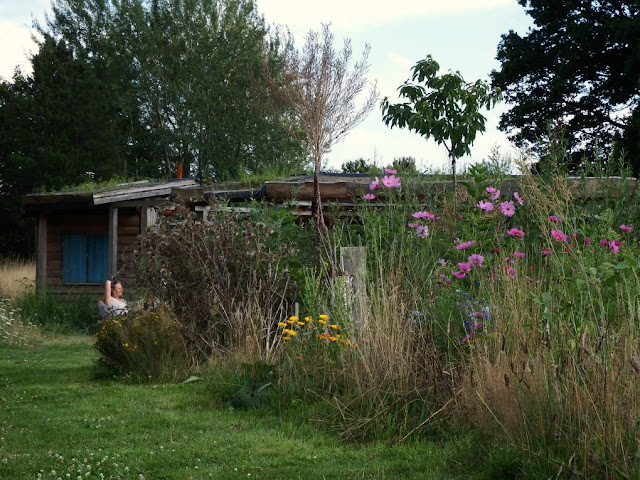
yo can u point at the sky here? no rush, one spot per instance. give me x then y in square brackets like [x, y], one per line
[461, 35]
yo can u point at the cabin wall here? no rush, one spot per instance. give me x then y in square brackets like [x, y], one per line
[96, 222]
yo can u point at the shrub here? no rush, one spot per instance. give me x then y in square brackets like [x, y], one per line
[144, 346]
[54, 314]
[228, 279]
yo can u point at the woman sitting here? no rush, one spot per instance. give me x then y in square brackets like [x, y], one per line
[113, 300]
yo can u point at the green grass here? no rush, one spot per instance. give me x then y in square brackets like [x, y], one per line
[56, 417]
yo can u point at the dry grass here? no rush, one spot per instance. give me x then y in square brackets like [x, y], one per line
[16, 277]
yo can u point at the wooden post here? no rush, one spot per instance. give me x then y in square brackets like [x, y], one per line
[41, 255]
[113, 241]
[353, 262]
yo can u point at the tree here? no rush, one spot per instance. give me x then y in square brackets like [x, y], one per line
[321, 86]
[445, 108]
[186, 75]
[578, 67]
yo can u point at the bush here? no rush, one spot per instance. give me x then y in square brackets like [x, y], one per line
[143, 346]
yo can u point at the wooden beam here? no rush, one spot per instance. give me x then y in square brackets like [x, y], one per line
[41, 255]
[113, 241]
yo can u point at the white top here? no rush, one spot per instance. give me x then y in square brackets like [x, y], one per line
[118, 306]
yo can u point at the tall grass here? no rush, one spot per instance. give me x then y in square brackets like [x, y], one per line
[17, 276]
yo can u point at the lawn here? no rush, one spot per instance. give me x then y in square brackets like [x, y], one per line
[58, 421]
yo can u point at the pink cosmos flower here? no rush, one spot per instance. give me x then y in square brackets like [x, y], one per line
[465, 245]
[604, 242]
[375, 184]
[442, 261]
[511, 271]
[518, 254]
[555, 219]
[518, 198]
[464, 266]
[614, 248]
[445, 278]
[514, 232]
[545, 252]
[369, 196]
[389, 171]
[422, 231]
[484, 205]
[624, 228]
[391, 181]
[425, 214]
[558, 235]
[458, 273]
[587, 241]
[476, 260]
[507, 208]
[494, 193]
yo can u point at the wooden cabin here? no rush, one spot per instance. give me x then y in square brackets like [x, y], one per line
[85, 238]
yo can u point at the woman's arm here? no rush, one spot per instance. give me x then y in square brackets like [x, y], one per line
[107, 292]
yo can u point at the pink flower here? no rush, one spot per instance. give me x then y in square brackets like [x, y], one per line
[507, 208]
[422, 231]
[511, 271]
[545, 252]
[476, 260]
[587, 241]
[604, 242]
[518, 254]
[614, 247]
[391, 181]
[558, 235]
[445, 278]
[624, 228]
[555, 219]
[465, 245]
[518, 198]
[442, 262]
[369, 196]
[494, 193]
[458, 273]
[464, 266]
[514, 232]
[428, 215]
[375, 184]
[484, 205]
[390, 171]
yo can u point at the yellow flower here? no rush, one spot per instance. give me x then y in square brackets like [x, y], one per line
[322, 322]
[300, 323]
[335, 327]
[308, 319]
[332, 338]
[293, 333]
[286, 338]
[293, 318]
[323, 317]
[282, 324]
[290, 322]
[125, 345]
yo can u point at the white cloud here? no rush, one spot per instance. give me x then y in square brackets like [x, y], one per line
[358, 14]
[21, 47]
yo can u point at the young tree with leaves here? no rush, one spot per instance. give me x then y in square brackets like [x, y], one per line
[443, 107]
[321, 85]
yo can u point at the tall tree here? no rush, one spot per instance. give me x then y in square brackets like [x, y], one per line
[578, 66]
[322, 87]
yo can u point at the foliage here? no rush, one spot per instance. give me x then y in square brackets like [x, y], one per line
[13, 330]
[577, 67]
[228, 278]
[445, 108]
[143, 346]
[53, 314]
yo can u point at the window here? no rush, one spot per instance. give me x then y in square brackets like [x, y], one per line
[84, 258]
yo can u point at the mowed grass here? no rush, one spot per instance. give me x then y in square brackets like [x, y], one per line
[57, 421]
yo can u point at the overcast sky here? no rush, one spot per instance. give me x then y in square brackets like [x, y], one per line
[461, 35]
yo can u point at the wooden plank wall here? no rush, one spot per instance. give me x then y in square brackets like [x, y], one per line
[90, 223]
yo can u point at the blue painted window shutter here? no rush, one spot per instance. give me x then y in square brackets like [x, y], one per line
[84, 258]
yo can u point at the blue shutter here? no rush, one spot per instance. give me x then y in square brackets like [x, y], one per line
[97, 258]
[74, 258]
